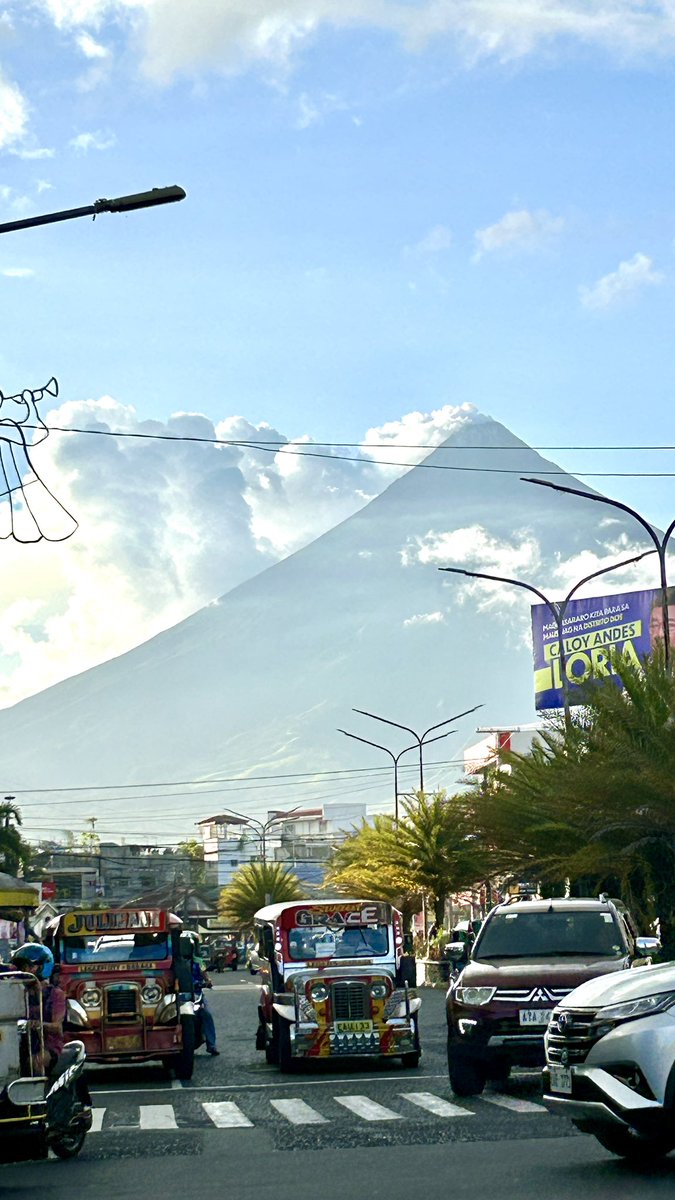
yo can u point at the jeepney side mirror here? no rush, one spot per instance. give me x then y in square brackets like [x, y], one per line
[408, 947]
[267, 942]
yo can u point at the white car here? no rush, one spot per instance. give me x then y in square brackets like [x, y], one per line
[610, 1060]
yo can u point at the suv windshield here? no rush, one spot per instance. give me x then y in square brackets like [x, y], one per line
[526, 934]
[357, 941]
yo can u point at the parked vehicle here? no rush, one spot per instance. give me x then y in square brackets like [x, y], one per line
[528, 956]
[610, 1061]
[337, 981]
[223, 954]
[128, 986]
[37, 1112]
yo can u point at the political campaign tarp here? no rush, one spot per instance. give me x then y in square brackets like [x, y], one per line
[626, 624]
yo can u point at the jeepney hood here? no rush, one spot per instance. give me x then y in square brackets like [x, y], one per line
[298, 976]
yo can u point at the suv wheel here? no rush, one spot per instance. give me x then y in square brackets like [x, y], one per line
[467, 1077]
[627, 1143]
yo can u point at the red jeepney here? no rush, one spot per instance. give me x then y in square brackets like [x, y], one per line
[128, 987]
[336, 982]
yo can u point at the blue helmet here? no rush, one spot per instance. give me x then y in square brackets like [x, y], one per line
[34, 957]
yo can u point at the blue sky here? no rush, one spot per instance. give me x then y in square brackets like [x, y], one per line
[392, 208]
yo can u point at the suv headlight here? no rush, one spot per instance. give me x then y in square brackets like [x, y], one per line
[474, 996]
[637, 1008]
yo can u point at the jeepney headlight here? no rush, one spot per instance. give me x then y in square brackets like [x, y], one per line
[151, 993]
[318, 993]
[91, 998]
[166, 1010]
[378, 991]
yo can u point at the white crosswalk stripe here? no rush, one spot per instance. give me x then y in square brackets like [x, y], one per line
[158, 1116]
[226, 1115]
[298, 1113]
[368, 1110]
[436, 1105]
[97, 1115]
[514, 1104]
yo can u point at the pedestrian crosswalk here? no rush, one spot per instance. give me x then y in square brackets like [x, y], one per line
[228, 1114]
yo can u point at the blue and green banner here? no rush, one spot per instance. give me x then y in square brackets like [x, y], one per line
[627, 623]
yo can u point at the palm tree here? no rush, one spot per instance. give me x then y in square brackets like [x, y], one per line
[255, 885]
[14, 852]
[431, 852]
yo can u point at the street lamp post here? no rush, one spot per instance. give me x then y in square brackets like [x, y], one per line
[660, 544]
[420, 741]
[557, 608]
[263, 827]
[394, 757]
[155, 196]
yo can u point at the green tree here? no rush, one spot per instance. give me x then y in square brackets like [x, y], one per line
[15, 854]
[255, 885]
[432, 852]
[594, 804]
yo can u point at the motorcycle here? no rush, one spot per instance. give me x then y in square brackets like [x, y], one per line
[38, 1112]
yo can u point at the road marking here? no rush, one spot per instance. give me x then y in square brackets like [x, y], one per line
[436, 1105]
[514, 1104]
[226, 1115]
[298, 1113]
[286, 1083]
[369, 1110]
[158, 1116]
[97, 1115]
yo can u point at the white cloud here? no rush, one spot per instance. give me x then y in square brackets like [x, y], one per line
[518, 230]
[84, 142]
[17, 272]
[36, 152]
[90, 47]
[437, 240]
[13, 113]
[187, 38]
[630, 277]
[432, 618]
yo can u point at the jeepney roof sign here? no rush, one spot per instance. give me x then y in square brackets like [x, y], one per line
[128, 920]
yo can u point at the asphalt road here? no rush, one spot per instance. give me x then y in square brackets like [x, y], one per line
[365, 1130]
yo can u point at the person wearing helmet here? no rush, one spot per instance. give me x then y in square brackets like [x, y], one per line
[201, 980]
[38, 960]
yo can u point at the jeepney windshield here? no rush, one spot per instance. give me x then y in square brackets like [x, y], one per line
[131, 948]
[325, 941]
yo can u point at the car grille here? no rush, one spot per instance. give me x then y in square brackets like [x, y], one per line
[571, 1042]
[350, 1002]
[121, 1002]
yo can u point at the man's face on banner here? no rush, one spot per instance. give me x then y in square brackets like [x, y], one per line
[656, 624]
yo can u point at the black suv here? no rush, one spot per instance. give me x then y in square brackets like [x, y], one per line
[528, 955]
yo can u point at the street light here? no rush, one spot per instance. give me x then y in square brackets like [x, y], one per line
[394, 757]
[167, 195]
[419, 741]
[262, 827]
[557, 608]
[659, 545]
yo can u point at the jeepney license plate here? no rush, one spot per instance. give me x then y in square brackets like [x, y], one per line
[561, 1080]
[130, 1041]
[353, 1026]
[535, 1016]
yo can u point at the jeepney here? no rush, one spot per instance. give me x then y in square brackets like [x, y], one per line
[128, 986]
[336, 981]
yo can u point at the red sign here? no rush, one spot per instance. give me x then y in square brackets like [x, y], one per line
[48, 889]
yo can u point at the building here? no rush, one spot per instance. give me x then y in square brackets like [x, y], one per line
[301, 839]
[113, 873]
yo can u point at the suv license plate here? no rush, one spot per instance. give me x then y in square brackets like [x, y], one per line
[561, 1080]
[535, 1016]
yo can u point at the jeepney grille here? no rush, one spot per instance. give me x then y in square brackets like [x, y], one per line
[121, 1002]
[571, 1043]
[350, 1002]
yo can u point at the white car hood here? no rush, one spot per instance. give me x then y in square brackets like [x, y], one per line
[623, 986]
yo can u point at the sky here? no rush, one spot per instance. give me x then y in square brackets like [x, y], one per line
[396, 211]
